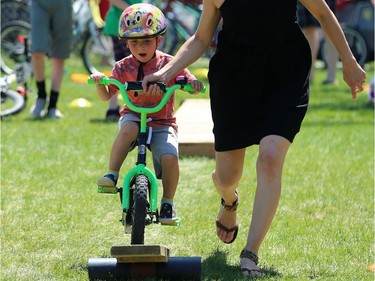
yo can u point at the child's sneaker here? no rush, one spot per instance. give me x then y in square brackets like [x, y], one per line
[38, 107]
[54, 113]
[167, 214]
[107, 180]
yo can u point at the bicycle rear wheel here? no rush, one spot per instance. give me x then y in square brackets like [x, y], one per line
[11, 103]
[97, 54]
[140, 210]
[356, 43]
[12, 37]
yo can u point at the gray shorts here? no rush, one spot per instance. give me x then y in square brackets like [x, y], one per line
[51, 27]
[163, 140]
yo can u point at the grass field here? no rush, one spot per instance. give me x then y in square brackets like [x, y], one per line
[53, 220]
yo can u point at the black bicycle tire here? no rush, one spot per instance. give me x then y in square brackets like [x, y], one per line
[17, 99]
[140, 210]
[86, 51]
[355, 39]
[5, 46]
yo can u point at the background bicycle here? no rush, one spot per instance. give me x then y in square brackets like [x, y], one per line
[357, 20]
[14, 101]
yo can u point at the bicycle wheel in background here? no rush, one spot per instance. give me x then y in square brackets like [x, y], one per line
[169, 42]
[356, 43]
[97, 53]
[11, 102]
[13, 35]
[140, 210]
[12, 10]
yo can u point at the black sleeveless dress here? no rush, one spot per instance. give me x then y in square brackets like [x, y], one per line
[259, 74]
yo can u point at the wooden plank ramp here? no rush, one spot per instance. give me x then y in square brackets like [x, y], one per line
[195, 128]
[140, 253]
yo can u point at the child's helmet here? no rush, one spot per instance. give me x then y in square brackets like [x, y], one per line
[141, 21]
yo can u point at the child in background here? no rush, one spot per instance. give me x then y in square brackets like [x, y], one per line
[142, 27]
[120, 50]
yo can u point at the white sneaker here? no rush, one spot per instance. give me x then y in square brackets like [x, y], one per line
[37, 108]
[54, 113]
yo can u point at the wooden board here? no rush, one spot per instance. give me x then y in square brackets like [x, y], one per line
[140, 253]
[195, 128]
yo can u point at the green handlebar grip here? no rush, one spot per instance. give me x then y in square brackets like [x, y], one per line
[188, 88]
[103, 82]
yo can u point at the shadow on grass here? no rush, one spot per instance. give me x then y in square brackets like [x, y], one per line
[215, 267]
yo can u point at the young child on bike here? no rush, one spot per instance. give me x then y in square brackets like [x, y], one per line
[142, 27]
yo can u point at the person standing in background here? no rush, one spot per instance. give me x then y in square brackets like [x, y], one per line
[51, 34]
[120, 50]
[311, 28]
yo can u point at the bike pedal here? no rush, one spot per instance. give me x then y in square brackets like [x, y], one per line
[175, 223]
[108, 189]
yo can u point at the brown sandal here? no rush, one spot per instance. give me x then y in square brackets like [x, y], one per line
[253, 257]
[230, 208]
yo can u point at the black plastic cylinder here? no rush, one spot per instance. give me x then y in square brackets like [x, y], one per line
[177, 268]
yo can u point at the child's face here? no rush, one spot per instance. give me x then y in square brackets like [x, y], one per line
[143, 49]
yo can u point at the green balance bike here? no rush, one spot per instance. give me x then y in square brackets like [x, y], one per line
[139, 193]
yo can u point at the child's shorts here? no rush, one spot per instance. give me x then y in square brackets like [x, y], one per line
[51, 31]
[164, 140]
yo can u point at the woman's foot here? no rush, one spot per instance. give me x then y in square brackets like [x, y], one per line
[249, 264]
[226, 222]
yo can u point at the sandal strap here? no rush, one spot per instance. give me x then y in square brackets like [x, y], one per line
[232, 207]
[249, 255]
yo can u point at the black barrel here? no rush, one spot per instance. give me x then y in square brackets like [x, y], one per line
[177, 268]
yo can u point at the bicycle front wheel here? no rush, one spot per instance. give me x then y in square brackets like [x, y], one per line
[11, 103]
[140, 210]
[12, 37]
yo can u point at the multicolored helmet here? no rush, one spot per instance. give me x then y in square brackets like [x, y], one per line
[141, 21]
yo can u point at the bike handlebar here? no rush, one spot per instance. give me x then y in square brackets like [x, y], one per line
[137, 85]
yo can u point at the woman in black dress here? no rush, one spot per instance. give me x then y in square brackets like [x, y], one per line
[258, 40]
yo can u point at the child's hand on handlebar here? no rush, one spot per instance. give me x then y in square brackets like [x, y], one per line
[97, 77]
[197, 86]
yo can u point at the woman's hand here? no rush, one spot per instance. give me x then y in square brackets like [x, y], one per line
[197, 86]
[354, 76]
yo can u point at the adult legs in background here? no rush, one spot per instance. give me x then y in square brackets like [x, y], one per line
[313, 36]
[331, 61]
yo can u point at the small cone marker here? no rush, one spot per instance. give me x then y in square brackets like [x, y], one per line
[81, 102]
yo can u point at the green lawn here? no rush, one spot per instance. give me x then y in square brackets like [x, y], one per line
[53, 220]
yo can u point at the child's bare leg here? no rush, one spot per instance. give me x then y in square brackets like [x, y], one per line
[170, 177]
[120, 148]
[125, 137]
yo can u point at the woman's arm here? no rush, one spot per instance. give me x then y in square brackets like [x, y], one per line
[353, 74]
[193, 48]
